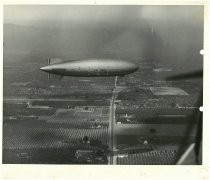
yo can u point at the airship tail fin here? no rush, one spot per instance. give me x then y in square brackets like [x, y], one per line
[54, 61]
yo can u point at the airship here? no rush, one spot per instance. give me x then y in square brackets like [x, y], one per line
[89, 67]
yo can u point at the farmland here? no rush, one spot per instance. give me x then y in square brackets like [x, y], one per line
[59, 129]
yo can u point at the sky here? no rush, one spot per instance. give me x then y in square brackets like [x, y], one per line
[171, 34]
[35, 14]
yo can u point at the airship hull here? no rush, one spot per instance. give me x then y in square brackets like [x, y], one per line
[92, 67]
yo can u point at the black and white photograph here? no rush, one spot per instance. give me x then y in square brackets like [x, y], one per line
[103, 84]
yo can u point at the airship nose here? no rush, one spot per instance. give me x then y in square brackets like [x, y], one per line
[45, 68]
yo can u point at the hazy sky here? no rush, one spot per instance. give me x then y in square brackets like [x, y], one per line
[173, 34]
[33, 14]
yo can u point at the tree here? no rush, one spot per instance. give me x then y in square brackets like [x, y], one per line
[152, 131]
[85, 139]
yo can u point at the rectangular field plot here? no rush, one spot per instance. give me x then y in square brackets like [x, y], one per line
[172, 91]
[85, 117]
[26, 138]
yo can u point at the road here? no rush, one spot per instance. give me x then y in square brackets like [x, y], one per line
[112, 140]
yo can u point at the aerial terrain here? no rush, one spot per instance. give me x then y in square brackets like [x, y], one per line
[141, 118]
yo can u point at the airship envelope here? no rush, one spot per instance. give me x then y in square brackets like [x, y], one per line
[90, 67]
